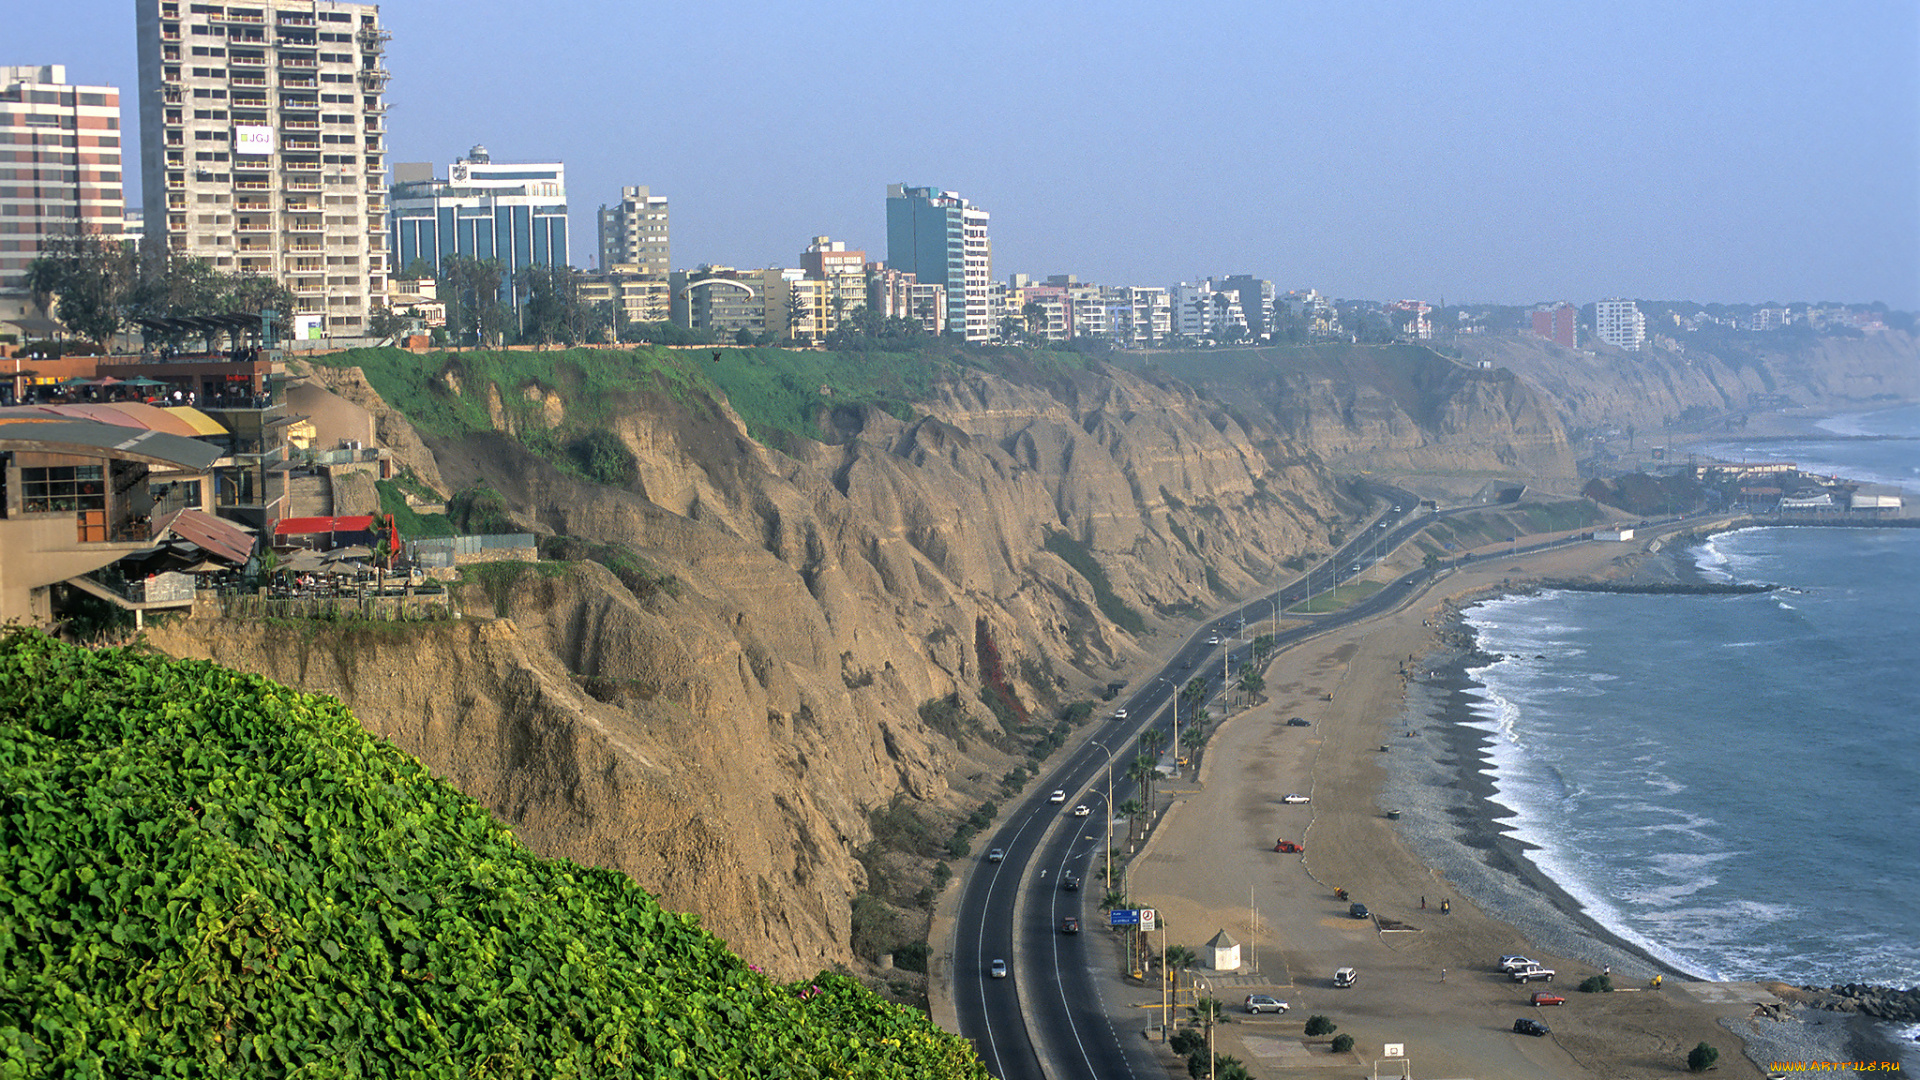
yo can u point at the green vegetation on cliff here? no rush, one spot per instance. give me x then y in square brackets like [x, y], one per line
[204, 873]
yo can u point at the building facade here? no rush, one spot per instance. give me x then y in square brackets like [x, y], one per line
[59, 165]
[634, 234]
[845, 273]
[896, 294]
[263, 146]
[1556, 323]
[941, 239]
[1256, 301]
[484, 209]
[1620, 324]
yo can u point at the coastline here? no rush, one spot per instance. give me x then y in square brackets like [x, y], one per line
[1455, 828]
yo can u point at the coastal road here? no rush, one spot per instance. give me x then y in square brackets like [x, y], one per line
[1051, 1002]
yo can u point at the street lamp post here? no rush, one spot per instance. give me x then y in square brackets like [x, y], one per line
[1206, 1013]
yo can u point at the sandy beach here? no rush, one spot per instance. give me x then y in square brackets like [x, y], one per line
[1449, 894]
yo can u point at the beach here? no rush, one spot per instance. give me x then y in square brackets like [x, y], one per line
[1383, 700]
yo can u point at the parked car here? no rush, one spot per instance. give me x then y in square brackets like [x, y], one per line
[1345, 977]
[1298, 721]
[1359, 910]
[1294, 799]
[1059, 795]
[1214, 640]
[1082, 810]
[1259, 1003]
[998, 969]
[1508, 963]
[1531, 1027]
[1287, 846]
[1070, 924]
[1541, 997]
[996, 855]
[1529, 974]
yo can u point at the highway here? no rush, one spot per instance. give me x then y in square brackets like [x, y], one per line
[1011, 910]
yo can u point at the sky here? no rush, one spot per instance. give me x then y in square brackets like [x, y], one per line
[1464, 152]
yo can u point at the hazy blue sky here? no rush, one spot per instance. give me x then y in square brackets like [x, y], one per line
[1497, 152]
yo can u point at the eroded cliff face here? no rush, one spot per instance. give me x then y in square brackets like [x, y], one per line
[724, 739]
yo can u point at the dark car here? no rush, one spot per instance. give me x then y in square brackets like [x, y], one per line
[1531, 1027]
[1298, 721]
[1070, 883]
[1070, 924]
[1359, 911]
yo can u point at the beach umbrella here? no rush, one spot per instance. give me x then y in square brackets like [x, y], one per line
[356, 551]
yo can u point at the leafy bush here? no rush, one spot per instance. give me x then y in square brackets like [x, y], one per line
[911, 956]
[1320, 1025]
[604, 459]
[1187, 1041]
[1701, 1058]
[209, 874]
[1342, 1043]
[1597, 984]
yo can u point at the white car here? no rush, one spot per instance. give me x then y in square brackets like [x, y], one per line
[1059, 795]
[1514, 962]
[1214, 640]
[1120, 714]
[998, 970]
[1294, 800]
[1082, 810]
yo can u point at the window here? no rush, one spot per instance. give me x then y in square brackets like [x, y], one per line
[63, 489]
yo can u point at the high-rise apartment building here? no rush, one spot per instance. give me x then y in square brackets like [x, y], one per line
[484, 210]
[263, 146]
[941, 239]
[1619, 323]
[633, 233]
[845, 272]
[59, 164]
[1556, 323]
[1256, 300]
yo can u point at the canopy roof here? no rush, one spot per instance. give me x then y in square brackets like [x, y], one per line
[93, 439]
[223, 322]
[219, 537]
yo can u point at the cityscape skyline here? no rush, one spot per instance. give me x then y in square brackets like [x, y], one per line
[1491, 155]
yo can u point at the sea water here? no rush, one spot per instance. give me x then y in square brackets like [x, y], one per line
[1732, 783]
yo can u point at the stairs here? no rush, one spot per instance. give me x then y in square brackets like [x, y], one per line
[310, 496]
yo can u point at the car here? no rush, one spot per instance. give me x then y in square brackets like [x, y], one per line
[1359, 910]
[1354, 569]
[1383, 524]
[1298, 721]
[1082, 810]
[1119, 714]
[1059, 795]
[996, 855]
[1070, 883]
[1345, 977]
[1531, 1027]
[1259, 1003]
[1214, 640]
[1514, 960]
[1396, 509]
[1541, 997]
[1070, 924]
[998, 969]
[1529, 974]
[1187, 664]
[1287, 846]
[1294, 799]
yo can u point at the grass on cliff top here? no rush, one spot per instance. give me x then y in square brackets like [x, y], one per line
[209, 874]
[777, 392]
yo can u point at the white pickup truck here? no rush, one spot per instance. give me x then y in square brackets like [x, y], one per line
[1530, 973]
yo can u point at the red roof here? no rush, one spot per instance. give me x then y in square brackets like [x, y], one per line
[307, 526]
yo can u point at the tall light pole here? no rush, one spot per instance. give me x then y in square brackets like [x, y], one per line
[1206, 1013]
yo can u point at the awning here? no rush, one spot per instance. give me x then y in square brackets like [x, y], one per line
[221, 538]
[201, 423]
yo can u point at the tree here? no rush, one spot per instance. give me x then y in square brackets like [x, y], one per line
[1034, 315]
[1320, 1025]
[799, 314]
[1192, 739]
[1179, 958]
[418, 270]
[1431, 562]
[382, 555]
[1153, 740]
[1142, 772]
[1701, 1058]
[1342, 1044]
[1251, 682]
[92, 278]
[387, 323]
[471, 290]
[1131, 810]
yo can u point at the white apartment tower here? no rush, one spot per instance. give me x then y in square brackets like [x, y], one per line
[263, 146]
[633, 232]
[61, 149]
[1619, 323]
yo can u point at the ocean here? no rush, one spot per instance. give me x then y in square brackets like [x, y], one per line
[1730, 782]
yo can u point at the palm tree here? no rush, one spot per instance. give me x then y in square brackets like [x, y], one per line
[1179, 958]
[1114, 899]
[1153, 740]
[1131, 810]
[1142, 772]
[382, 556]
[1251, 683]
[1192, 739]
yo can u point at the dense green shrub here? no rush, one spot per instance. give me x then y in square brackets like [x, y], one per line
[1320, 1025]
[1342, 1043]
[209, 874]
[1596, 984]
[1701, 1058]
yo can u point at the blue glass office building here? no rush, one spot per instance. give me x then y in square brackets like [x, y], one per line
[514, 213]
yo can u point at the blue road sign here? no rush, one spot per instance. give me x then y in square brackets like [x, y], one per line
[1123, 917]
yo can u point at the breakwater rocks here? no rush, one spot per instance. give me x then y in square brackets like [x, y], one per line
[1661, 588]
[1880, 1002]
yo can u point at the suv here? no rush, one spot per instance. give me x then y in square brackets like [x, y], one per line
[1531, 1027]
[1358, 910]
[1510, 962]
[1070, 924]
[1530, 973]
[1259, 1003]
[1070, 883]
[1344, 977]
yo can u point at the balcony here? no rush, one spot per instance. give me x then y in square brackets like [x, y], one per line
[301, 166]
[249, 163]
[300, 125]
[253, 18]
[296, 43]
[170, 76]
[289, 18]
[374, 78]
[252, 100]
[251, 185]
[301, 288]
[302, 208]
[298, 105]
[250, 81]
[300, 146]
[169, 35]
[253, 207]
[176, 182]
[302, 185]
[253, 227]
[298, 62]
[237, 60]
[175, 138]
[302, 249]
[248, 247]
[304, 227]
[171, 97]
[298, 82]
